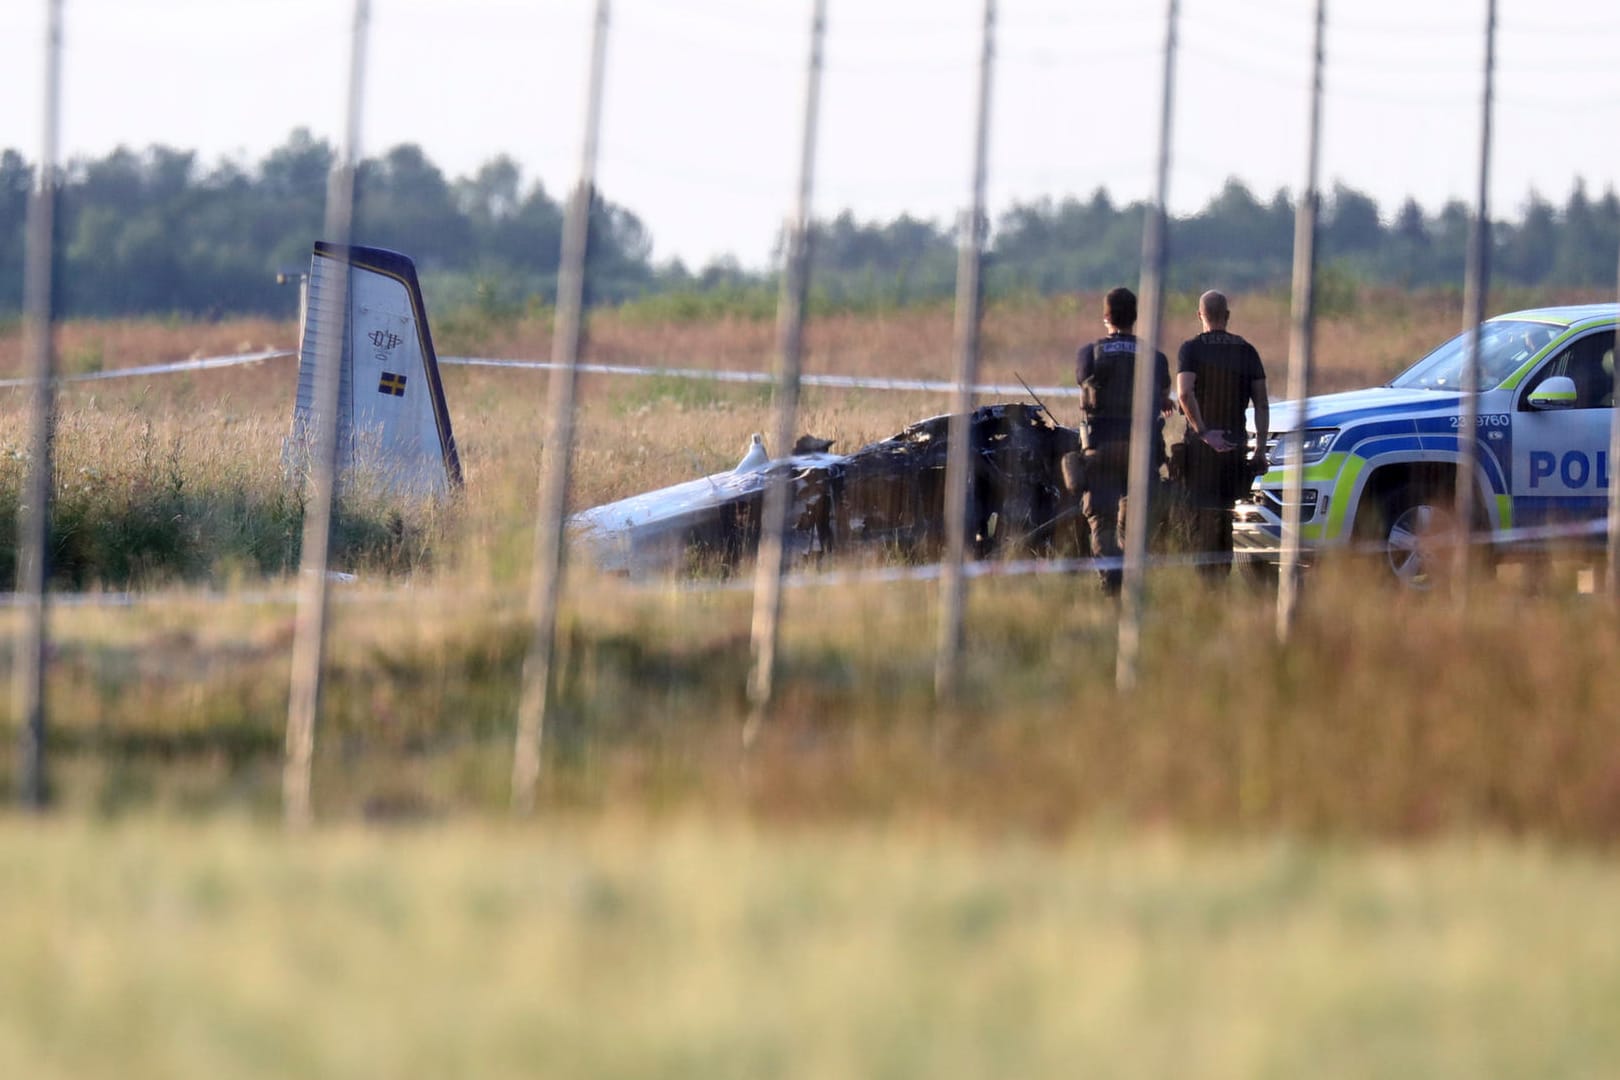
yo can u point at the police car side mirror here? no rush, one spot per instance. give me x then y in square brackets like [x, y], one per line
[1557, 392]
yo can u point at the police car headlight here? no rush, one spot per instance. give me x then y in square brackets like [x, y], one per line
[1291, 448]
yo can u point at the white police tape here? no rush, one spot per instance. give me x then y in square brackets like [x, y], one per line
[841, 382]
[206, 364]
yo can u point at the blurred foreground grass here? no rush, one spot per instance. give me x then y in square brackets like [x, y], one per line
[698, 949]
[1388, 715]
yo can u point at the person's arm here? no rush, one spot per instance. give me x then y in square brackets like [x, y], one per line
[1186, 390]
[1262, 418]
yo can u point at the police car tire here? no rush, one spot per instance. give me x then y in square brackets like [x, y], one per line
[1404, 529]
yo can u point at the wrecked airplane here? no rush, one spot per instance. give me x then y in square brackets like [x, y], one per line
[887, 498]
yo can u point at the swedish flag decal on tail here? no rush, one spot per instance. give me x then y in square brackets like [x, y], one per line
[393, 426]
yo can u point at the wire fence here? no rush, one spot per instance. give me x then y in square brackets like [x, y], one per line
[1278, 50]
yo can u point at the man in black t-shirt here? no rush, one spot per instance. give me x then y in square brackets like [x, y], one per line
[1218, 376]
[1106, 372]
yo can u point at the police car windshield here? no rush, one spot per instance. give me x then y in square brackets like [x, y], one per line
[1504, 346]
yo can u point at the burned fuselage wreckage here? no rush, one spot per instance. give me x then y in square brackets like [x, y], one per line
[887, 498]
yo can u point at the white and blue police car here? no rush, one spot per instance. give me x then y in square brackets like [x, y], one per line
[1381, 464]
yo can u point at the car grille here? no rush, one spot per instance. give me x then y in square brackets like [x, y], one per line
[1272, 500]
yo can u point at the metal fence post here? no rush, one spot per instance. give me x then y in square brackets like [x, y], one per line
[1142, 479]
[1475, 288]
[309, 635]
[559, 443]
[969, 313]
[34, 524]
[766, 627]
[1301, 340]
[1612, 578]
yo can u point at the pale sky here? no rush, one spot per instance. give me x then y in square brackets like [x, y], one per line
[704, 97]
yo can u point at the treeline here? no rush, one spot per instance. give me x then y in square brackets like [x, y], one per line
[157, 232]
[1236, 241]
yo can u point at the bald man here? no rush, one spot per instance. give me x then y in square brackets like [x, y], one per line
[1218, 376]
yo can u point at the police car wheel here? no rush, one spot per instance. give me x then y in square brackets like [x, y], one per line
[1418, 537]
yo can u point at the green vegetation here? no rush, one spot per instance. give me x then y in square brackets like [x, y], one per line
[490, 242]
[148, 498]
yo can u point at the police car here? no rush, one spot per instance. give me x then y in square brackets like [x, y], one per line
[1381, 464]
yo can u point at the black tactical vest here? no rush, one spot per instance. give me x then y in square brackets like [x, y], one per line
[1108, 392]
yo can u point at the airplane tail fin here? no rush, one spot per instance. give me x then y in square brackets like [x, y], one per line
[392, 420]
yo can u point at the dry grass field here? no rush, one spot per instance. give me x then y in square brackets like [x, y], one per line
[168, 484]
[640, 433]
[1383, 850]
[1392, 719]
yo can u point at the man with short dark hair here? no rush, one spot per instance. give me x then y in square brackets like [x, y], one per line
[1106, 372]
[1218, 376]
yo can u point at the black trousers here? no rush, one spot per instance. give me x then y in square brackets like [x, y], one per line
[1213, 482]
[1103, 504]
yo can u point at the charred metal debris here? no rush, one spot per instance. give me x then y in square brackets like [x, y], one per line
[887, 498]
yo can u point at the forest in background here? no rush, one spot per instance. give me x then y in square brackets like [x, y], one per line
[158, 232]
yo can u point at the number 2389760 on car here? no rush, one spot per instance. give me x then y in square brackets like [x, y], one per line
[1381, 464]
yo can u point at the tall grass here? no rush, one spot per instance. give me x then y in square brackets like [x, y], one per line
[706, 951]
[1386, 717]
[146, 496]
[1390, 719]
